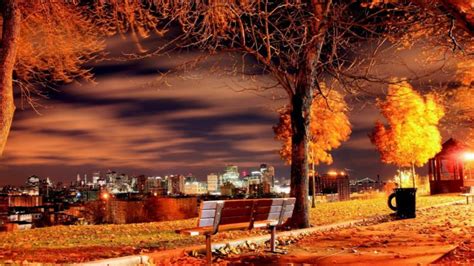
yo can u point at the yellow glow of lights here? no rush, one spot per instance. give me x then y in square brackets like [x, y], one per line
[105, 196]
[332, 173]
[342, 173]
[468, 156]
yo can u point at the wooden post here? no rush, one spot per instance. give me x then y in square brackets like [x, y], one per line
[208, 249]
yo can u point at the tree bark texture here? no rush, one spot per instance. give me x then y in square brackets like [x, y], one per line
[301, 101]
[10, 35]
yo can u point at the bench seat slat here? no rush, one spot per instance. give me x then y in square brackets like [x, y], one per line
[265, 223]
[208, 229]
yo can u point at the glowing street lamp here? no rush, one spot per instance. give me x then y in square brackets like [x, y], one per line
[468, 156]
[332, 173]
[105, 196]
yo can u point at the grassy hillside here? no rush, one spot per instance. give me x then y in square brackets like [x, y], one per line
[87, 242]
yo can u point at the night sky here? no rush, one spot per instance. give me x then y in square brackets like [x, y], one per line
[196, 122]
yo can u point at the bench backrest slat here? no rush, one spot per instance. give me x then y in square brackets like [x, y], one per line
[268, 209]
[236, 211]
[287, 211]
[223, 212]
[207, 215]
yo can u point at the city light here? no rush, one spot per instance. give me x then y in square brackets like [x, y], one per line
[105, 196]
[468, 156]
[332, 173]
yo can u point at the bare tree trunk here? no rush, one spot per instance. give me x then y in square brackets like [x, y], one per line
[299, 161]
[10, 36]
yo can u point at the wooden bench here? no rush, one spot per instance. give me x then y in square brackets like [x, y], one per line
[223, 215]
[469, 193]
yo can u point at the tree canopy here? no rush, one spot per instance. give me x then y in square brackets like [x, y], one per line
[329, 127]
[411, 136]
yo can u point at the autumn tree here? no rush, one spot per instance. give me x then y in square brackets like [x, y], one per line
[328, 128]
[300, 44]
[411, 136]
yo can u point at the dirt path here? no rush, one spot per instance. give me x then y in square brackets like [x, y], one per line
[425, 239]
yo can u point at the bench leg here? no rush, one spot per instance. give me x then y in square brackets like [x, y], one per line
[208, 249]
[273, 248]
[272, 239]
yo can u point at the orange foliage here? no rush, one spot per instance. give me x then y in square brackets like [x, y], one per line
[412, 136]
[58, 38]
[329, 127]
[55, 41]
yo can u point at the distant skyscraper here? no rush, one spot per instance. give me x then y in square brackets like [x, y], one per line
[213, 184]
[176, 184]
[231, 174]
[111, 176]
[268, 178]
[195, 188]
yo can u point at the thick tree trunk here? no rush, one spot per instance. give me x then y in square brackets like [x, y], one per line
[301, 103]
[299, 162]
[10, 34]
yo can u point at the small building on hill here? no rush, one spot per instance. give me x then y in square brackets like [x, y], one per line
[447, 169]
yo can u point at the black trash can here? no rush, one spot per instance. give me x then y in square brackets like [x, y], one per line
[405, 199]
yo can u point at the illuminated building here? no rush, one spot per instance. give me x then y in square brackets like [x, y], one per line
[268, 178]
[333, 182]
[232, 175]
[195, 188]
[451, 169]
[176, 184]
[213, 183]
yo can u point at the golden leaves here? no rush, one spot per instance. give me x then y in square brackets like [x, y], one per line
[412, 135]
[329, 127]
[55, 41]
